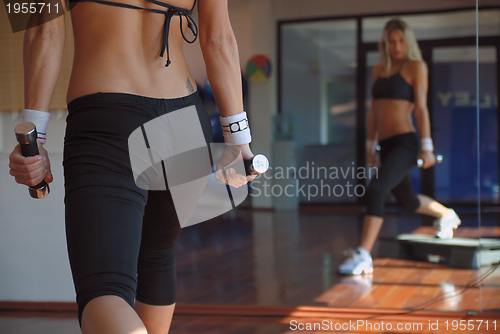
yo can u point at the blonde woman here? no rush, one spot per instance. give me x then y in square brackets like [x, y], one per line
[400, 83]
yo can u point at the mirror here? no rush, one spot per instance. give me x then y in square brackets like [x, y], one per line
[325, 87]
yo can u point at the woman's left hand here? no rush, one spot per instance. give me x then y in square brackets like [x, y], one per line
[429, 159]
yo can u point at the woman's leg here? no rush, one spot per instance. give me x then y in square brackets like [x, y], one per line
[157, 319]
[156, 278]
[111, 315]
[431, 207]
[104, 211]
[398, 156]
[447, 220]
[395, 164]
[371, 228]
[156, 287]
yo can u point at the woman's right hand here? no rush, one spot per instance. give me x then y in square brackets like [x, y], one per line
[371, 159]
[30, 171]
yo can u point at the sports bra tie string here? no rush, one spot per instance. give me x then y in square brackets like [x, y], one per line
[169, 13]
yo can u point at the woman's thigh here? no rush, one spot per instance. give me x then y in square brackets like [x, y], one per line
[103, 206]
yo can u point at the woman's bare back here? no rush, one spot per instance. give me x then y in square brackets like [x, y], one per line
[117, 50]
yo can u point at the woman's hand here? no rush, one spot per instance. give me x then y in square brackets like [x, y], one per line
[429, 159]
[372, 159]
[228, 157]
[30, 171]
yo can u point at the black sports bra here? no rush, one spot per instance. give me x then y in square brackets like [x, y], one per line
[171, 11]
[393, 87]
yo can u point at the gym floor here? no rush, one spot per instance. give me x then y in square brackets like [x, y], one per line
[252, 271]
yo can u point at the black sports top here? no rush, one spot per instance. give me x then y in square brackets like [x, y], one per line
[393, 87]
[171, 11]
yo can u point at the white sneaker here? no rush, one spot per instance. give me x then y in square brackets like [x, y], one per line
[447, 224]
[359, 261]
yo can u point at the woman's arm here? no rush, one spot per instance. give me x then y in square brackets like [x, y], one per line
[371, 121]
[371, 125]
[220, 52]
[420, 87]
[42, 55]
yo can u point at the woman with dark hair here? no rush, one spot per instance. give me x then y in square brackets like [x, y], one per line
[128, 69]
[400, 83]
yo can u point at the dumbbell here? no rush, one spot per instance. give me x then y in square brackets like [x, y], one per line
[26, 135]
[439, 159]
[259, 164]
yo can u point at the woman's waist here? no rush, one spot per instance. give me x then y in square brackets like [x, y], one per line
[395, 132]
[134, 72]
[401, 139]
[171, 85]
[391, 123]
[107, 119]
[143, 94]
[101, 101]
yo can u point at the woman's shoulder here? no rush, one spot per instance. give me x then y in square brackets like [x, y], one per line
[417, 66]
[377, 70]
[378, 67]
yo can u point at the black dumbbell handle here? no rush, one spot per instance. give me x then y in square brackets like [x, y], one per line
[26, 135]
[439, 159]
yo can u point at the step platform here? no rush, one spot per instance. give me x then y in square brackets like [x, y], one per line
[457, 252]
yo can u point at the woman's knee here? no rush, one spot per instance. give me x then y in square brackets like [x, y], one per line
[94, 287]
[410, 203]
[374, 194]
[374, 200]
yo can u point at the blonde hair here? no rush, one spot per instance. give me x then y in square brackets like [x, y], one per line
[413, 51]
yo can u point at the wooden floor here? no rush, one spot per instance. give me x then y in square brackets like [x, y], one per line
[256, 271]
[29, 323]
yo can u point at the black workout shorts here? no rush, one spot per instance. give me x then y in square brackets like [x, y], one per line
[120, 238]
[398, 155]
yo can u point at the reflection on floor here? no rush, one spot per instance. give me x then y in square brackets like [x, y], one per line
[287, 259]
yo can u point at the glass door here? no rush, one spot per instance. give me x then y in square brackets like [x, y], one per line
[454, 123]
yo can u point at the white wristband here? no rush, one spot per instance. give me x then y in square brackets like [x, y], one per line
[426, 144]
[40, 119]
[371, 145]
[235, 129]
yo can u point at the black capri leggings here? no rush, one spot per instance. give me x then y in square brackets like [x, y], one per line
[398, 155]
[120, 237]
